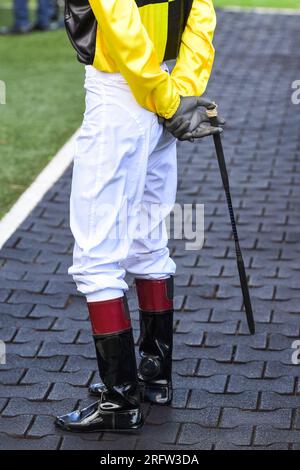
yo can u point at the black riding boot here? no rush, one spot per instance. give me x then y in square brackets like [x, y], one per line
[156, 341]
[119, 404]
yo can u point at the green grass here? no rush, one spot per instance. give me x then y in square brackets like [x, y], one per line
[259, 3]
[44, 106]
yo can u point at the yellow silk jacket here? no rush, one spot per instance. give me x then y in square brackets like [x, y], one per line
[133, 37]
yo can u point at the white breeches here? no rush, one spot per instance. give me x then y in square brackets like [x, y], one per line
[124, 185]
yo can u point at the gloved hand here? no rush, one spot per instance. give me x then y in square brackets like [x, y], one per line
[201, 127]
[188, 118]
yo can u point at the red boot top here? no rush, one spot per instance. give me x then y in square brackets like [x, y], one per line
[109, 316]
[155, 295]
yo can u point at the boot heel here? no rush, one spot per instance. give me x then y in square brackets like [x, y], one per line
[129, 420]
[158, 394]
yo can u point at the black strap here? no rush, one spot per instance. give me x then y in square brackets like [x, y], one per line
[239, 257]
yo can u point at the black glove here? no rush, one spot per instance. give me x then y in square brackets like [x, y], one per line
[185, 120]
[200, 127]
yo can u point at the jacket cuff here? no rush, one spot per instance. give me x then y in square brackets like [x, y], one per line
[172, 110]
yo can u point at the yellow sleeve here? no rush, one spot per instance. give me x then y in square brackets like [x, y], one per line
[196, 55]
[132, 50]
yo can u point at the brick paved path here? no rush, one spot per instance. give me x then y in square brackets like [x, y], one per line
[231, 390]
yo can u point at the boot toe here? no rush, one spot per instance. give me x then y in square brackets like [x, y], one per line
[79, 419]
[66, 421]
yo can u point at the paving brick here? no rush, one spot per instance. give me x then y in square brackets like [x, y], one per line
[205, 417]
[23, 349]
[284, 328]
[14, 361]
[232, 417]
[190, 339]
[167, 434]
[246, 400]
[77, 363]
[266, 435]
[223, 314]
[35, 286]
[143, 444]
[34, 392]
[58, 300]
[222, 445]
[74, 442]
[186, 367]
[257, 341]
[58, 287]
[210, 367]
[47, 277]
[238, 384]
[276, 369]
[48, 267]
[20, 406]
[45, 256]
[279, 342]
[5, 294]
[35, 375]
[48, 247]
[12, 270]
[12, 322]
[26, 256]
[43, 426]
[7, 334]
[180, 398]
[10, 377]
[245, 353]
[190, 326]
[271, 401]
[195, 302]
[62, 324]
[11, 443]
[75, 310]
[85, 336]
[223, 352]
[29, 334]
[60, 391]
[185, 318]
[292, 319]
[40, 237]
[15, 311]
[195, 434]
[15, 426]
[53, 349]
[214, 384]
